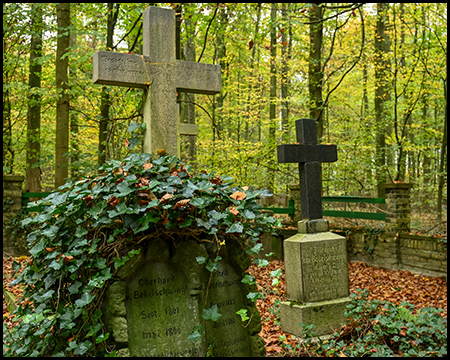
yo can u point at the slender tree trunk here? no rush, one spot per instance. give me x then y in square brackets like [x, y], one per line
[285, 58]
[105, 99]
[382, 49]
[221, 59]
[74, 128]
[62, 86]
[252, 81]
[273, 93]
[443, 159]
[315, 71]
[33, 172]
[190, 55]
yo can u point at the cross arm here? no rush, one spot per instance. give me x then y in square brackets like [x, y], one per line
[130, 70]
[198, 78]
[302, 153]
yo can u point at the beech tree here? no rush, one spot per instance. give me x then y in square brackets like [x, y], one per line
[62, 86]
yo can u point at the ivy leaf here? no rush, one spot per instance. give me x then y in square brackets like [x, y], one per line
[201, 259]
[203, 223]
[134, 126]
[80, 232]
[248, 214]
[235, 228]
[255, 249]
[196, 333]
[253, 296]
[212, 313]
[86, 299]
[124, 189]
[212, 266]
[248, 279]
[74, 287]
[46, 296]
[243, 314]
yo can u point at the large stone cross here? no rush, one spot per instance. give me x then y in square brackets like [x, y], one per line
[161, 75]
[308, 154]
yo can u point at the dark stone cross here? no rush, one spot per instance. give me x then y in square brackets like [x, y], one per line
[161, 76]
[308, 154]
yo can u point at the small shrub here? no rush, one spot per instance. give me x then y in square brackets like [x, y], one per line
[375, 328]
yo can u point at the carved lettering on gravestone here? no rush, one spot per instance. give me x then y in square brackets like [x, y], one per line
[161, 313]
[308, 154]
[229, 336]
[161, 75]
[324, 270]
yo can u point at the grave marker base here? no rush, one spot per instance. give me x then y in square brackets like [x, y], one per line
[317, 284]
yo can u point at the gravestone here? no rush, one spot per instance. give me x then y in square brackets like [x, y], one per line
[317, 283]
[161, 76]
[159, 296]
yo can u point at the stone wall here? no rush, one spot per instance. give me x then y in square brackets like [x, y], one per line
[417, 253]
[13, 241]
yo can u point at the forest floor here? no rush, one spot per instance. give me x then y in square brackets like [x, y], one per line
[394, 286]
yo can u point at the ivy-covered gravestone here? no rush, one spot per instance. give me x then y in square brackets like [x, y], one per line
[143, 260]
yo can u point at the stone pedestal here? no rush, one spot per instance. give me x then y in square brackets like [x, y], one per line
[317, 283]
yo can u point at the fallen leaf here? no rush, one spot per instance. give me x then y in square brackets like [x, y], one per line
[166, 197]
[238, 195]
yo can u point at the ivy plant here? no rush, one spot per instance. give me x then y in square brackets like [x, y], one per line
[92, 227]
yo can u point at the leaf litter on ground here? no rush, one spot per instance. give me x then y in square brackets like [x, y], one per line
[382, 284]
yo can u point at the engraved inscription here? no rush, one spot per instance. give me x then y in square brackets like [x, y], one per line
[325, 271]
[160, 312]
[122, 65]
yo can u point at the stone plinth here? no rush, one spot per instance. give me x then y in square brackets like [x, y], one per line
[317, 284]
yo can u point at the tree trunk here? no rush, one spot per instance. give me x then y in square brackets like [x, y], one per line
[105, 100]
[285, 58]
[62, 86]
[33, 172]
[273, 93]
[443, 159]
[315, 71]
[74, 128]
[190, 55]
[382, 95]
[221, 59]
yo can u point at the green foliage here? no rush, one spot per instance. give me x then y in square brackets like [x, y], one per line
[95, 225]
[375, 328]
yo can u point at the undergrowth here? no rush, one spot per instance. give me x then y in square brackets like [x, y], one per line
[380, 328]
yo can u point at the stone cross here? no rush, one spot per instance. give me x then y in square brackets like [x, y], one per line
[308, 154]
[161, 75]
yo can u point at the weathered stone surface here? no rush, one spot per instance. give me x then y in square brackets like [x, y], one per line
[166, 292]
[316, 267]
[160, 312]
[161, 75]
[326, 315]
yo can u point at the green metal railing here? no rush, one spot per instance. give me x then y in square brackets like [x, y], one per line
[26, 199]
[354, 214]
[290, 210]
